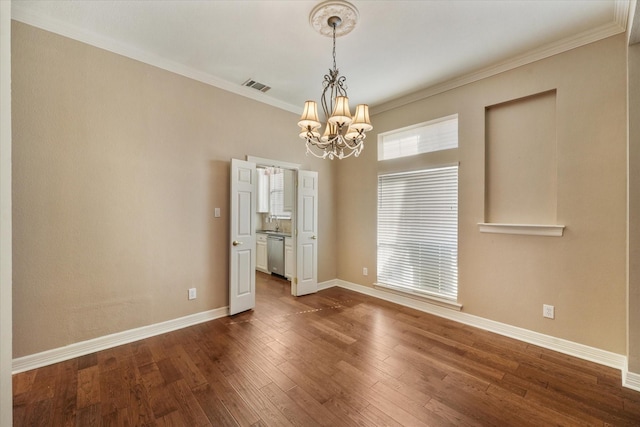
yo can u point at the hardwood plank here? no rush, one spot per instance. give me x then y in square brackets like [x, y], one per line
[449, 416]
[168, 370]
[415, 407]
[88, 392]
[311, 406]
[142, 353]
[288, 407]
[190, 409]
[187, 367]
[242, 413]
[258, 401]
[38, 413]
[346, 413]
[319, 392]
[65, 395]
[88, 416]
[138, 410]
[351, 373]
[87, 361]
[378, 417]
[160, 400]
[114, 392]
[23, 382]
[213, 406]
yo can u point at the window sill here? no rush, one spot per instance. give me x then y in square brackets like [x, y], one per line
[524, 229]
[422, 296]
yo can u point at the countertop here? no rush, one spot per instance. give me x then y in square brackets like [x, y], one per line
[274, 233]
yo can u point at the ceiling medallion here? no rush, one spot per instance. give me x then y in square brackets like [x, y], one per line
[319, 17]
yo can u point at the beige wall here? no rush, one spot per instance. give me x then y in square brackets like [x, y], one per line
[507, 278]
[117, 168]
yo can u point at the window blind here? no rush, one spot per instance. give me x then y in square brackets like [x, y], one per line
[418, 231]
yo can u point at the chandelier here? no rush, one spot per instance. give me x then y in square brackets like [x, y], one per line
[344, 134]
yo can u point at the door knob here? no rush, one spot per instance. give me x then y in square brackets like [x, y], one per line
[236, 243]
[313, 237]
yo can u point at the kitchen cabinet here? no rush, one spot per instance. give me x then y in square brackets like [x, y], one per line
[261, 252]
[288, 258]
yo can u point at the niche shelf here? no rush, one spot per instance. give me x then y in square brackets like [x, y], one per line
[526, 229]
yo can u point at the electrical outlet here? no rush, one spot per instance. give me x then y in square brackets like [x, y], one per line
[216, 213]
[192, 293]
[365, 271]
[548, 311]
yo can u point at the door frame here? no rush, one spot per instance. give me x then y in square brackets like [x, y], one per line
[261, 161]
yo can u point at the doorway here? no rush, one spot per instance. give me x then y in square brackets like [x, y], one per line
[246, 223]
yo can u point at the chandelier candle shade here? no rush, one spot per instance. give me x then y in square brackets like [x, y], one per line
[343, 134]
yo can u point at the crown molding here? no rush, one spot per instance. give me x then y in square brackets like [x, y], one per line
[617, 26]
[633, 23]
[18, 13]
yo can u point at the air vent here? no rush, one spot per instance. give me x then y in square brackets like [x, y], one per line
[256, 85]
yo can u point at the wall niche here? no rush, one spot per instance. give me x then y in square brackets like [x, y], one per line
[521, 166]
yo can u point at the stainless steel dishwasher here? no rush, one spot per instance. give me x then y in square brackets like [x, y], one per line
[275, 254]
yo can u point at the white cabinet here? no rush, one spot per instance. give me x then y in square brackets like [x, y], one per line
[288, 258]
[261, 252]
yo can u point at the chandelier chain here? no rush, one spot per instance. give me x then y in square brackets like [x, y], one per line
[334, 45]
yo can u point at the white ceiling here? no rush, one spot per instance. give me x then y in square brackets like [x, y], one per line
[397, 47]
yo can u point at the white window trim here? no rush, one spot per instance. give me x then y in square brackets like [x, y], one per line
[425, 295]
[422, 296]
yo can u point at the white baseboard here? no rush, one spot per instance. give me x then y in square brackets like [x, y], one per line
[631, 380]
[326, 285]
[78, 349]
[581, 351]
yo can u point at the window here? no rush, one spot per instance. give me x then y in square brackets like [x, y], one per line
[276, 195]
[436, 135]
[418, 212]
[277, 192]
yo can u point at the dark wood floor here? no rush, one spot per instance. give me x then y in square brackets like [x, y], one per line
[336, 358]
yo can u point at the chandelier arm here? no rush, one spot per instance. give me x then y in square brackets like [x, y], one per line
[355, 142]
[317, 143]
[328, 83]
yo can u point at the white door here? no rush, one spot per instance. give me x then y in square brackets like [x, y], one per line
[307, 239]
[242, 245]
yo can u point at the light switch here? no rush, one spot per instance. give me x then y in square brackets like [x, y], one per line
[216, 212]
